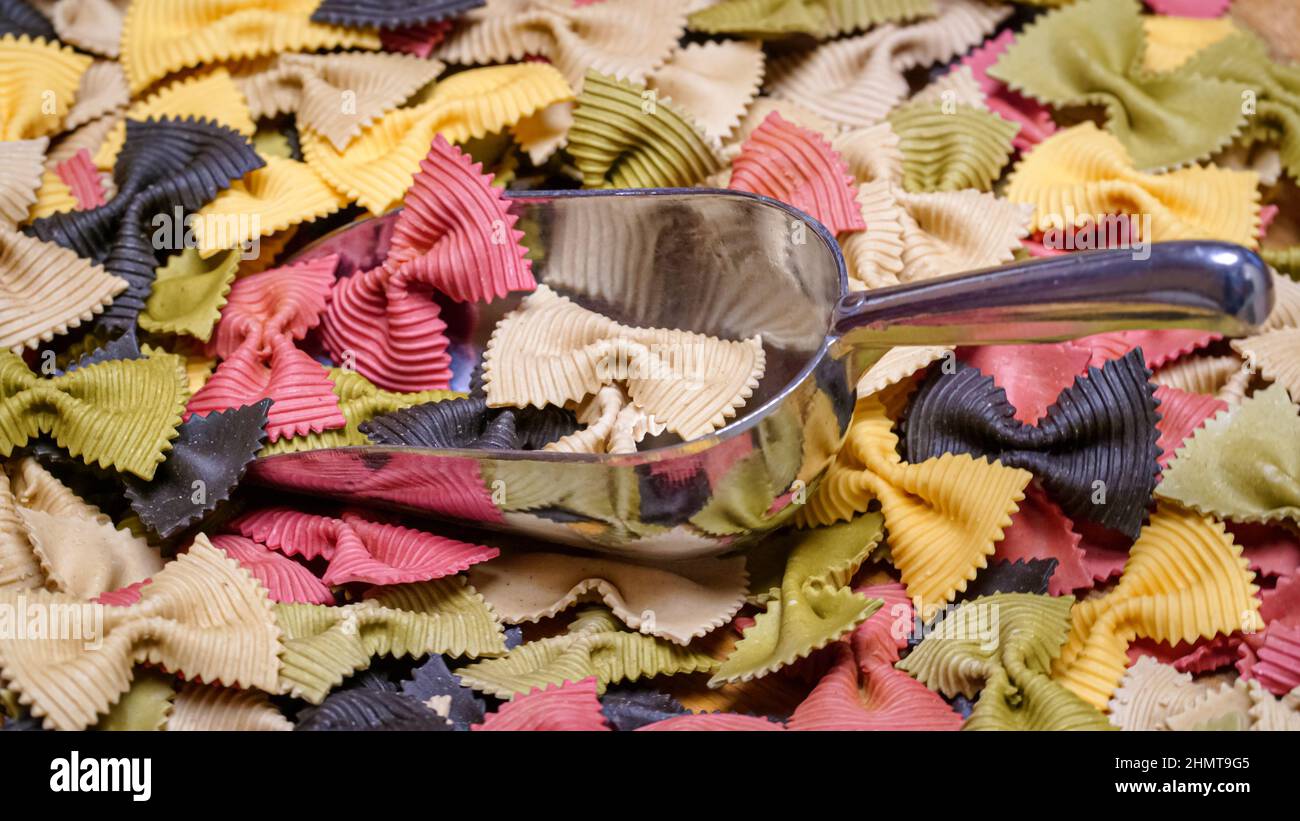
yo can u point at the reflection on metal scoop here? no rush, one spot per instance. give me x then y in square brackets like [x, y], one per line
[733, 265]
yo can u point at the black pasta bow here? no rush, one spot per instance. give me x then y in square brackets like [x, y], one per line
[387, 14]
[1095, 452]
[470, 423]
[167, 168]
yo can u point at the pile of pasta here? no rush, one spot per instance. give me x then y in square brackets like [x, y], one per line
[1093, 534]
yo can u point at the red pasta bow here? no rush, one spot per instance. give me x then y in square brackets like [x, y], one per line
[264, 315]
[455, 237]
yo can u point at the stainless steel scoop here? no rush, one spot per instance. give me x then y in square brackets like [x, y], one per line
[732, 264]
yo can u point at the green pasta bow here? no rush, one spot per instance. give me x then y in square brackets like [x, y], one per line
[1002, 648]
[1090, 53]
[120, 415]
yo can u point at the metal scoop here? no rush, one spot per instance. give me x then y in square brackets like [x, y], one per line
[733, 265]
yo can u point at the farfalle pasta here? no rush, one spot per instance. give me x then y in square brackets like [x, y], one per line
[1094, 533]
[574, 352]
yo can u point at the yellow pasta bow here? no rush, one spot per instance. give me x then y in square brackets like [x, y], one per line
[1184, 580]
[377, 167]
[943, 515]
[281, 194]
[625, 38]
[1001, 647]
[120, 414]
[162, 36]
[39, 82]
[1083, 173]
[202, 617]
[551, 351]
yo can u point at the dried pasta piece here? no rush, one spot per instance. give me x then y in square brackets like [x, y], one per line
[1217, 471]
[279, 195]
[212, 95]
[1274, 91]
[593, 646]
[551, 351]
[79, 550]
[1035, 119]
[943, 515]
[815, 605]
[1099, 435]
[202, 617]
[856, 81]
[678, 602]
[376, 167]
[897, 364]
[951, 150]
[623, 137]
[264, 315]
[145, 706]
[21, 167]
[206, 463]
[325, 645]
[40, 82]
[102, 91]
[389, 14]
[120, 415]
[83, 180]
[1162, 120]
[567, 706]
[1002, 646]
[762, 18]
[1170, 41]
[285, 580]
[1198, 374]
[361, 549]
[712, 82]
[445, 241]
[93, 25]
[1151, 692]
[46, 290]
[1082, 173]
[1040, 531]
[872, 153]
[336, 95]
[1229, 699]
[188, 294]
[1185, 579]
[163, 36]
[797, 166]
[206, 708]
[623, 38]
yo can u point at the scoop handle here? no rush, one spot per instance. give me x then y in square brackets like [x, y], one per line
[1215, 286]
